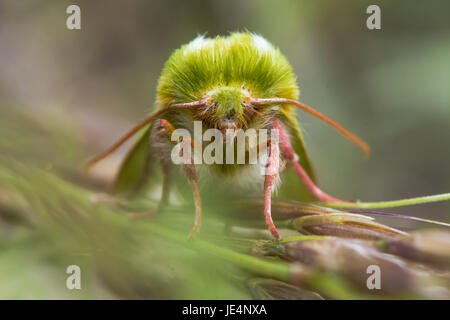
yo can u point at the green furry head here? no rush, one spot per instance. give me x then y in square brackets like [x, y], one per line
[228, 100]
[240, 60]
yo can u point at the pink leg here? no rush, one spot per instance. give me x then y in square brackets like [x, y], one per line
[270, 180]
[289, 154]
[191, 174]
[161, 135]
[163, 130]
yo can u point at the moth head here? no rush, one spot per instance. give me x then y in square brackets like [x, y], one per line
[225, 108]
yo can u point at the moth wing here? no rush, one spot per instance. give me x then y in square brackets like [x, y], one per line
[137, 165]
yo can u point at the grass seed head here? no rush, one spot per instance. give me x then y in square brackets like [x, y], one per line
[351, 260]
[430, 246]
[345, 225]
[269, 289]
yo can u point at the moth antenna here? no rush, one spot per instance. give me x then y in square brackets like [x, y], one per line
[352, 137]
[133, 131]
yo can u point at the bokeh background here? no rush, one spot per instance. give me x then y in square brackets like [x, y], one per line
[67, 94]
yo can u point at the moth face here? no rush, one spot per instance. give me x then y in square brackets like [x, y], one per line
[226, 108]
[229, 121]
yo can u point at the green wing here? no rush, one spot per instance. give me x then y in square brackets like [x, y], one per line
[136, 166]
[292, 188]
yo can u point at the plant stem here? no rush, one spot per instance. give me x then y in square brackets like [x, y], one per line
[386, 204]
[329, 284]
[278, 270]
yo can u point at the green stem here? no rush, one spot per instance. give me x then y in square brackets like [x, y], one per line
[386, 204]
[329, 284]
[278, 270]
[303, 238]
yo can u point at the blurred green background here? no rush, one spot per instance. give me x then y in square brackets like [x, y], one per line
[390, 86]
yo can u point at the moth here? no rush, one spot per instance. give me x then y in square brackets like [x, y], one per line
[239, 81]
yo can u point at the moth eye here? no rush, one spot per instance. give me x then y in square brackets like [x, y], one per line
[209, 101]
[209, 106]
[246, 102]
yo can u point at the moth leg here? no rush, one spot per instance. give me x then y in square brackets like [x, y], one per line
[160, 138]
[191, 174]
[288, 153]
[272, 172]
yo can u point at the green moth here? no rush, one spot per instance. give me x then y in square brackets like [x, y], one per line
[241, 82]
